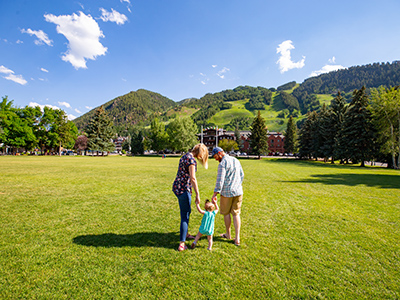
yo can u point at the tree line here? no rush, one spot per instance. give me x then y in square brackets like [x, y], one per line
[32, 128]
[368, 128]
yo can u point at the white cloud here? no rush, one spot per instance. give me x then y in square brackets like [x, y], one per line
[34, 104]
[16, 78]
[214, 66]
[285, 61]
[44, 70]
[113, 16]
[83, 34]
[42, 37]
[77, 111]
[88, 107]
[5, 70]
[332, 60]
[11, 76]
[326, 69]
[66, 104]
[71, 117]
[127, 1]
[203, 82]
[19, 42]
[221, 73]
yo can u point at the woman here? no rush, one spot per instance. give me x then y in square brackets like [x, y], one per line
[182, 187]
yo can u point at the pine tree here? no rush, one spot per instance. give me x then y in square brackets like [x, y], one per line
[137, 142]
[334, 124]
[258, 136]
[357, 135]
[100, 132]
[291, 137]
[306, 136]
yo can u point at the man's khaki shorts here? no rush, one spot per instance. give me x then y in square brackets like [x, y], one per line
[230, 205]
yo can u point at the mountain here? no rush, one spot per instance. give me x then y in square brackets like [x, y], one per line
[238, 106]
[130, 109]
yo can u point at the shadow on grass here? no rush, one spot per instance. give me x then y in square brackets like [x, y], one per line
[321, 164]
[371, 180]
[140, 239]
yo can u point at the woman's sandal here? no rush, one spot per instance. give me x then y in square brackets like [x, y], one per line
[182, 248]
[190, 237]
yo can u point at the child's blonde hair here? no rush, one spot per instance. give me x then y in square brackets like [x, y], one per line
[200, 151]
[209, 206]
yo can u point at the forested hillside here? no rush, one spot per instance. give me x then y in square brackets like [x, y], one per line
[236, 107]
[130, 109]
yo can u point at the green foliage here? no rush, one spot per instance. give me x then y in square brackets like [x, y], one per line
[182, 134]
[130, 109]
[385, 109]
[287, 86]
[291, 137]
[241, 123]
[289, 101]
[258, 136]
[28, 127]
[158, 135]
[137, 142]
[100, 132]
[306, 136]
[357, 135]
[228, 145]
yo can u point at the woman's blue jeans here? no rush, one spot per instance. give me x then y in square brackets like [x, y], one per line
[185, 200]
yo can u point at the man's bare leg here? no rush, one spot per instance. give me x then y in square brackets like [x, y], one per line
[236, 224]
[228, 221]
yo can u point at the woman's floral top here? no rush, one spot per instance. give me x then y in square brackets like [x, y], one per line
[182, 181]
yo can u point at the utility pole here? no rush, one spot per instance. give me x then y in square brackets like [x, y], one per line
[216, 137]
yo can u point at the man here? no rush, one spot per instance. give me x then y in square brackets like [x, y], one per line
[229, 186]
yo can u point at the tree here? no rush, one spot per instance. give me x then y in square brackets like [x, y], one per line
[332, 125]
[306, 136]
[137, 142]
[258, 136]
[100, 132]
[238, 138]
[291, 137]
[81, 143]
[17, 126]
[158, 136]
[385, 108]
[182, 134]
[357, 135]
[228, 145]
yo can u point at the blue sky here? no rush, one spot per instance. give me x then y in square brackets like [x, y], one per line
[77, 55]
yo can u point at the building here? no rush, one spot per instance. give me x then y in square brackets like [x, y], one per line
[118, 143]
[276, 143]
[210, 135]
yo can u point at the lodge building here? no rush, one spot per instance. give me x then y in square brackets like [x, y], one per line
[209, 136]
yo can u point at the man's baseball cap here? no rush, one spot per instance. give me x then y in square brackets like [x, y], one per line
[216, 150]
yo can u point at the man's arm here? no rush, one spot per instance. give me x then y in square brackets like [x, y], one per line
[220, 179]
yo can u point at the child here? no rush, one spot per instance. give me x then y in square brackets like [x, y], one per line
[207, 223]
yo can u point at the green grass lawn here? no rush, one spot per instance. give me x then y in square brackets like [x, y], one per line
[107, 228]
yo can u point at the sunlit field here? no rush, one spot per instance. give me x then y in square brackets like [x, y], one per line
[108, 228]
